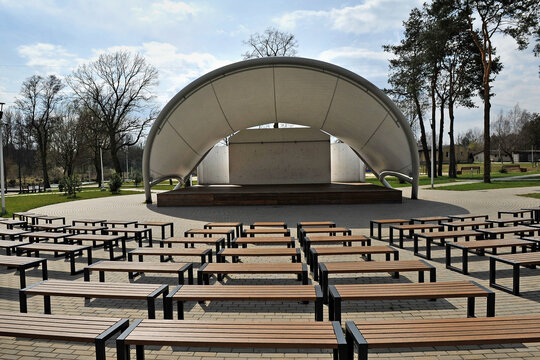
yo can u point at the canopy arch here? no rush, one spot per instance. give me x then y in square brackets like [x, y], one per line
[280, 89]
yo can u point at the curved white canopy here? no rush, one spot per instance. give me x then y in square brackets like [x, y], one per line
[280, 89]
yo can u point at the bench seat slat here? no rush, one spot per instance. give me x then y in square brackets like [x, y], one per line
[376, 266]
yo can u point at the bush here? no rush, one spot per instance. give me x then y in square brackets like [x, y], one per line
[115, 183]
[503, 170]
[137, 178]
[70, 185]
[12, 183]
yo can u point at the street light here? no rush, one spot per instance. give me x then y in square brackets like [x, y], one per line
[2, 185]
[101, 159]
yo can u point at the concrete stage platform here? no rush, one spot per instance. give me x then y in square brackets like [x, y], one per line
[302, 194]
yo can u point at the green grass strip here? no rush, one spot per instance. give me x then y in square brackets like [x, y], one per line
[489, 186]
[19, 203]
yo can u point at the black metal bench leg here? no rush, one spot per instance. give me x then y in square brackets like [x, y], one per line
[515, 275]
[470, 307]
[100, 349]
[47, 304]
[139, 350]
[490, 311]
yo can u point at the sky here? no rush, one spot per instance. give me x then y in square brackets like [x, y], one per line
[185, 40]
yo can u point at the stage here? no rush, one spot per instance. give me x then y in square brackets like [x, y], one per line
[301, 194]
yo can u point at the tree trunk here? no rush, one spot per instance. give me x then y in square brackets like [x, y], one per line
[487, 137]
[114, 155]
[441, 133]
[452, 167]
[423, 139]
[43, 156]
[97, 164]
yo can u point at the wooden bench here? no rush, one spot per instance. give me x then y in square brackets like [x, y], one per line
[25, 216]
[236, 253]
[138, 234]
[514, 213]
[11, 223]
[36, 236]
[442, 236]
[162, 225]
[303, 293]
[219, 243]
[362, 267]
[50, 218]
[229, 234]
[128, 291]
[536, 213]
[48, 227]
[428, 333]
[238, 226]
[346, 240]
[473, 224]
[96, 330]
[69, 250]
[520, 230]
[514, 168]
[401, 229]
[221, 269]
[88, 222]
[408, 291]
[463, 217]
[166, 254]
[10, 245]
[479, 247]
[345, 250]
[331, 231]
[135, 268]
[303, 224]
[514, 221]
[516, 261]
[13, 234]
[382, 222]
[106, 240]
[471, 169]
[259, 224]
[427, 219]
[124, 223]
[232, 334]
[266, 231]
[266, 240]
[85, 229]
[22, 263]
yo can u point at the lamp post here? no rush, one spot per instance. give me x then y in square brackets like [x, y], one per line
[101, 159]
[2, 184]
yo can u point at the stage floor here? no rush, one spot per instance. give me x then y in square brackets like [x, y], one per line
[301, 194]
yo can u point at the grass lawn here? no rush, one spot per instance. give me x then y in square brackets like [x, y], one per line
[493, 185]
[532, 195]
[27, 202]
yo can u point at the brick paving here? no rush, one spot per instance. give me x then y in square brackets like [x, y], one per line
[355, 217]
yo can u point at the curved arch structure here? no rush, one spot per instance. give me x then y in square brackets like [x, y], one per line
[280, 89]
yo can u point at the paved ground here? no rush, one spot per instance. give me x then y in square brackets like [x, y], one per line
[357, 217]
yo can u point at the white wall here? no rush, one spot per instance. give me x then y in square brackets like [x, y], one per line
[346, 165]
[279, 156]
[214, 169]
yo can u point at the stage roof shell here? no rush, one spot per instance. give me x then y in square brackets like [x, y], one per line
[280, 89]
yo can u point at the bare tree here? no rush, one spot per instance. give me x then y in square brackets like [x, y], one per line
[270, 43]
[116, 89]
[68, 139]
[38, 100]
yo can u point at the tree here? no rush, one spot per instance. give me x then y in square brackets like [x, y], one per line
[271, 43]
[117, 91]
[517, 18]
[68, 139]
[508, 131]
[38, 100]
[407, 72]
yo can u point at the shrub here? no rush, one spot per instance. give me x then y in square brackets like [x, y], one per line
[137, 178]
[503, 170]
[115, 183]
[70, 185]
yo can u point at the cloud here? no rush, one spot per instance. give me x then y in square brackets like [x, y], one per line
[350, 52]
[165, 10]
[47, 55]
[373, 16]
